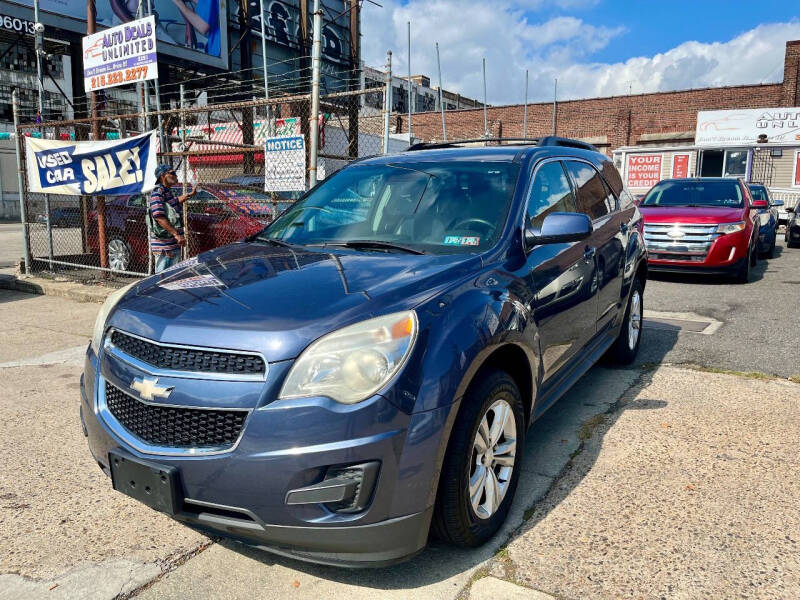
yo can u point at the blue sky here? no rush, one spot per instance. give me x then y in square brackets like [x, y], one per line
[594, 47]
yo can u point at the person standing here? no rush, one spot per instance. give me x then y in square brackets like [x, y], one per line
[165, 219]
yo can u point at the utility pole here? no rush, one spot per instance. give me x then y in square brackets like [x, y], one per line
[525, 112]
[485, 114]
[555, 104]
[316, 49]
[246, 64]
[38, 46]
[354, 103]
[441, 104]
[410, 105]
[387, 102]
[91, 27]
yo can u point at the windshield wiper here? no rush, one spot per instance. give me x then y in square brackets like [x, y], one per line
[274, 242]
[372, 244]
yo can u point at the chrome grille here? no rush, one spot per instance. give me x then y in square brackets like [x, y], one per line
[175, 427]
[186, 358]
[678, 241]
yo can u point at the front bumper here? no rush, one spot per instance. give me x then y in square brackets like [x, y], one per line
[724, 256]
[241, 493]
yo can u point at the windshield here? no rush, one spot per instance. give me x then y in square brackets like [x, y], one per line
[722, 193]
[441, 208]
[759, 192]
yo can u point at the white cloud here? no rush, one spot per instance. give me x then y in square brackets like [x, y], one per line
[506, 33]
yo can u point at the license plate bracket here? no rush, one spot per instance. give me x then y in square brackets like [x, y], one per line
[150, 483]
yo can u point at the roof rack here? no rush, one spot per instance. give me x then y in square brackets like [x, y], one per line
[550, 140]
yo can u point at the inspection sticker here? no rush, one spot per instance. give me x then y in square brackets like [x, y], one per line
[462, 240]
[188, 283]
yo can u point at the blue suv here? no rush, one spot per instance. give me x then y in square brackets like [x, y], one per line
[365, 369]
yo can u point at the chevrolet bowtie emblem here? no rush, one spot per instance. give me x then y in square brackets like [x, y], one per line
[149, 388]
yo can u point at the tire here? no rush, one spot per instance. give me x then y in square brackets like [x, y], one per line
[120, 256]
[459, 518]
[771, 251]
[743, 274]
[626, 346]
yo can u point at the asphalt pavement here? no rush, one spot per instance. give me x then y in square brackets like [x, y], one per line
[10, 245]
[759, 325]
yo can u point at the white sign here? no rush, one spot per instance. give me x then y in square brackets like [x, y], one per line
[285, 164]
[744, 127]
[119, 55]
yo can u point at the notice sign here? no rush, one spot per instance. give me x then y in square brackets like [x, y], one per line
[644, 170]
[680, 166]
[119, 55]
[285, 164]
[108, 168]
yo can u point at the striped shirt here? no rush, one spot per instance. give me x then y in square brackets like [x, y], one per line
[158, 197]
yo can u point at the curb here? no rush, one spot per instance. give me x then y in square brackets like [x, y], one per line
[47, 287]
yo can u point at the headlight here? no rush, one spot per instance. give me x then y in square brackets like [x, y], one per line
[100, 322]
[730, 227]
[351, 364]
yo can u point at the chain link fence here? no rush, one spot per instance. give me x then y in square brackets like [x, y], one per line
[222, 151]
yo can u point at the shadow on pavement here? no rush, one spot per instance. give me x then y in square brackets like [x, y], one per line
[551, 443]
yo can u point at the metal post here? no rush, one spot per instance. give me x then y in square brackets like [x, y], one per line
[410, 105]
[316, 48]
[161, 134]
[485, 116]
[91, 27]
[441, 104]
[266, 75]
[140, 85]
[20, 182]
[387, 102]
[185, 174]
[555, 106]
[525, 112]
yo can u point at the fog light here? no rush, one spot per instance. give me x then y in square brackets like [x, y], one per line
[345, 489]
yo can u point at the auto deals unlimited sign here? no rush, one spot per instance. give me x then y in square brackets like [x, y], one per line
[743, 127]
[120, 55]
[108, 168]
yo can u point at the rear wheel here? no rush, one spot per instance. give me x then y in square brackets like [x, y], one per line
[119, 254]
[626, 346]
[481, 467]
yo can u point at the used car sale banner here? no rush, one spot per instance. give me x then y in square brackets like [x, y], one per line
[104, 168]
[120, 55]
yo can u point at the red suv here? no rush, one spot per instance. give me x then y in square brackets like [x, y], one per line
[707, 225]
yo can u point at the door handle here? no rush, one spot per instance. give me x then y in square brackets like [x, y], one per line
[131, 220]
[588, 254]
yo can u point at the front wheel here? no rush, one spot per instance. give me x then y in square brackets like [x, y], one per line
[482, 465]
[119, 254]
[743, 275]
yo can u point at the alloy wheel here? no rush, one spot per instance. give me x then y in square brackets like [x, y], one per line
[119, 255]
[493, 455]
[634, 319]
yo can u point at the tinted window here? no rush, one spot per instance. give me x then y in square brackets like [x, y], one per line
[594, 198]
[445, 207]
[550, 192]
[710, 192]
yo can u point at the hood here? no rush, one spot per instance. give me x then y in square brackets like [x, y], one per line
[687, 214]
[275, 300]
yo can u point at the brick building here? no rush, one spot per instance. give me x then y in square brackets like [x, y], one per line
[662, 123]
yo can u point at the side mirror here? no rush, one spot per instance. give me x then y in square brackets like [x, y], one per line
[759, 204]
[559, 227]
[790, 209]
[777, 203]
